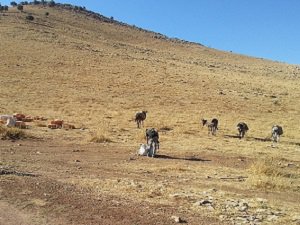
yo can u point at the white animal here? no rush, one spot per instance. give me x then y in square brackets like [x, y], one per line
[148, 149]
[143, 150]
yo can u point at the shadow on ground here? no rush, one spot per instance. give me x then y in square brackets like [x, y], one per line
[189, 158]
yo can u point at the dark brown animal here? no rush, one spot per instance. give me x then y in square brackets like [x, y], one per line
[242, 128]
[140, 117]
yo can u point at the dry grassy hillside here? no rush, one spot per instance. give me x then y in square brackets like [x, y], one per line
[97, 74]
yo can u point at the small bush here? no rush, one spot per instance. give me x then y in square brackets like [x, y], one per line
[51, 3]
[265, 174]
[46, 13]
[100, 135]
[29, 17]
[100, 139]
[11, 133]
[20, 7]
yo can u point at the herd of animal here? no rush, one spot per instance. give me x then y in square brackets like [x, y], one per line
[152, 136]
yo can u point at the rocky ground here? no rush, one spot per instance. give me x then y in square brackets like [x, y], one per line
[45, 182]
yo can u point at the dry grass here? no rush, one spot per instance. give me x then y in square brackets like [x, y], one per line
[100, 139]
[100, 136]
[96, 75]
[40, 124]
[268, 174]
[12, 133]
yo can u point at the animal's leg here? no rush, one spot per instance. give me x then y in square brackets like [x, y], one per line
[154, 149]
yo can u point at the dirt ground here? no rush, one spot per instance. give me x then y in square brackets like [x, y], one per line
[39, 189]
[52, 182]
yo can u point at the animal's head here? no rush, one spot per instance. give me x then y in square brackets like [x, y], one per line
[277, 129]
[145, 112]
[239, 126]
[204, 122]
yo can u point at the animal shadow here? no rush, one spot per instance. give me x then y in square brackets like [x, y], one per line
[248, 138]
[262, 139]
[231, 136]
[189, 158]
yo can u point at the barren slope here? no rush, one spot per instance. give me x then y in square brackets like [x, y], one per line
[96, 75]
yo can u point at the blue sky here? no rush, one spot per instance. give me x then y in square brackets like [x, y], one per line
[261, 28]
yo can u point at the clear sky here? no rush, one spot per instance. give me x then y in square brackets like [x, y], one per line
[261, 28]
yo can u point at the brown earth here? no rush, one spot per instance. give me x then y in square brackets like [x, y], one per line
[96, 74]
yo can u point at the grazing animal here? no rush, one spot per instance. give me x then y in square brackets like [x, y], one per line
[212, 126]
[242, 128]
[140, 117]
[276, 132]
[152, 138]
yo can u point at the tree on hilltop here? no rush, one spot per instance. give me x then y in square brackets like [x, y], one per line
[20, 7]
[13, 4]
[51, 3]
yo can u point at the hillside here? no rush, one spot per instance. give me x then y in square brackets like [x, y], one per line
[97, 73]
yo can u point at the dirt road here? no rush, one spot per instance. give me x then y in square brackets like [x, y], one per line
[37, 187]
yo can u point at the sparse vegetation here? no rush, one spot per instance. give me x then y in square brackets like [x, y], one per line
[100, 135]
[20, 7]
[11, 133]
[29, 17]
[100, 139]
[40, 124]
[267, 174]
[98, 73]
